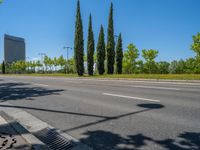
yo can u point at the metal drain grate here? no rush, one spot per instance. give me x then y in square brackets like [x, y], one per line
[53, 139]
[7, 141]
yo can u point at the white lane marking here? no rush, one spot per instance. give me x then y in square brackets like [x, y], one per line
[130, 97]
[155, 87]
[37, 84]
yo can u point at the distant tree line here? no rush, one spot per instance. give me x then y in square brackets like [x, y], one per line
[109, 58]
[132, 65]
[47, 65]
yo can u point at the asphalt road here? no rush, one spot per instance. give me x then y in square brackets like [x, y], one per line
[112, 114]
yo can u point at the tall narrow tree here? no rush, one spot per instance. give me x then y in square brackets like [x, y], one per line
[90, 48]
[79, 43]
[110, 44]
[3, 68]
[119, 54]
[101, 52]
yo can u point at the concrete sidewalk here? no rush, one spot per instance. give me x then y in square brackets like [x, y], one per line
[28, 131]
[10, 138]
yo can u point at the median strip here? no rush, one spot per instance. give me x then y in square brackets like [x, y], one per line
[130, 97]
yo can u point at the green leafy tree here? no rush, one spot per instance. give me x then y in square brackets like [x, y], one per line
[196, 48]
[46, 62]
[71, 65]
[32, 66]
[197, 65]
[110, 43]
[173, 67]
[163, 67]
[3, 68]
[119, 55]
[79, 42]
[177, 67]
[181, 66]
[101, 52]
[139, 67]
[190, 65]
[90, 48]
[38, 64]
[18, 67]
[55, 63]
[196, 44]
[149, 56]
[129, 59]
[61, 62]
[27, 66]
[50, 64]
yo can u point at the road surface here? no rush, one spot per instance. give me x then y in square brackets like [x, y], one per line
[112, 114]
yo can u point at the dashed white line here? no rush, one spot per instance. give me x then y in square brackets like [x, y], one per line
[155, 87]
[37, 84]
[131, 97]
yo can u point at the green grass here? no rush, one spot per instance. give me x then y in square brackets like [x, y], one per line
[126, 76]
[154, 76]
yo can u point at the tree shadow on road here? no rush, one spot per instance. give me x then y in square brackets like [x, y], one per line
[19, 91]
[106, 140]
[147, 107]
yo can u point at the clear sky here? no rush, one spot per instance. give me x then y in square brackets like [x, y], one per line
[48, 25]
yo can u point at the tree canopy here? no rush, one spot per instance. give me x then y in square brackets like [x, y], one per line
[196, 44]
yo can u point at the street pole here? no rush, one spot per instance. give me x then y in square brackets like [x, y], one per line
[67, 48]
[42, 59]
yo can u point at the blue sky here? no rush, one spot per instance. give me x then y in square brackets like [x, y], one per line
[48, 25]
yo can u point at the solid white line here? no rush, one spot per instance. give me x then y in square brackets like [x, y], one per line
[37, 84]
[155, 87]
[130, 97]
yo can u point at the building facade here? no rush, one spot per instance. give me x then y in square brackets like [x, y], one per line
[14, 49]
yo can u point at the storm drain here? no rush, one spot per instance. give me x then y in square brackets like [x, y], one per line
[53, 139]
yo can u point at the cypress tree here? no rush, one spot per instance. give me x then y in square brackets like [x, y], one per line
[3, 68]
[101, 52]
[79, 43]
[119, 54]
[90, 48]
[110, 43]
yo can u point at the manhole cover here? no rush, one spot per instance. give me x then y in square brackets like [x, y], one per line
[53, 139]
[7, 141]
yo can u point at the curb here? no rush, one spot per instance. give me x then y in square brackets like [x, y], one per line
[34, 142]
[33, 125]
